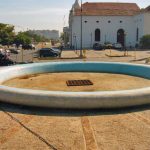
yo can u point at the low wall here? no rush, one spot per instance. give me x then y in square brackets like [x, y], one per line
[79, 100]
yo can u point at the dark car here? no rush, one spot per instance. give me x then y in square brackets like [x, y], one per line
[98, 46]
[28, 47]
[5, 61]
[49, 52]
[13, 51]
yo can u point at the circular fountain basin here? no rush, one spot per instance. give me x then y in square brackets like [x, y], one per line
[78, 100]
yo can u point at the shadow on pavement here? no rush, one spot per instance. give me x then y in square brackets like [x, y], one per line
[69, 112]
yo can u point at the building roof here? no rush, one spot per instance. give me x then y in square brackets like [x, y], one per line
[108, 9]
[147, 9]
[144, 10]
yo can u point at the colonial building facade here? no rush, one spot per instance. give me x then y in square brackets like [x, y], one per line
[123, 23]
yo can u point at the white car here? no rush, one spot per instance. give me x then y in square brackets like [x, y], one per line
[2, 51]
[8, 51]
[117, 46]
[18, 50]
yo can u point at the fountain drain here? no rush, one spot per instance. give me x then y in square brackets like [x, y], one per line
[79, 83]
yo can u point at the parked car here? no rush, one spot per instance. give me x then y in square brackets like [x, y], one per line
[28, 47]
[13, 51]
[98, 46]
[117, 46]
[2, 51]
[7, 52]
[108, 46]
[48, 52]
[5, 61]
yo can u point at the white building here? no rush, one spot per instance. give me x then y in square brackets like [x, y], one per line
[49, 34]
[125, 23]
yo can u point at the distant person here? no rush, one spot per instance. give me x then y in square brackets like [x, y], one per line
[61, 49]
[136, 45]
[125, 51]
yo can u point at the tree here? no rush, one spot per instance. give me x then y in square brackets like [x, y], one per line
[145, 41]
[64, 37]
[6, 34]
[22, 39]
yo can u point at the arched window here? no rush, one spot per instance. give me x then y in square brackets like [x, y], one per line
[137, 34]
[97, 35]
[121, 37]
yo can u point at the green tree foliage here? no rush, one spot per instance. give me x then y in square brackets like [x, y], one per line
[145, 41]
[64, 37]
[6, 34]
[22, 38]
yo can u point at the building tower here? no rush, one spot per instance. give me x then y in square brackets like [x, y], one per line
[76, 5]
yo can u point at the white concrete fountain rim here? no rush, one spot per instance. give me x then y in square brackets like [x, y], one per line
[97, 99]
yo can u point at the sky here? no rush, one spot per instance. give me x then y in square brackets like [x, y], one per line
[44, 14]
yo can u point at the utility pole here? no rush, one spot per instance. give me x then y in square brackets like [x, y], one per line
[71, 30]
[81, 55]
[64, 40]
[91, 40]
[22, 55]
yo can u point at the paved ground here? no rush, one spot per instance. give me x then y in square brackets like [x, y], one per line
[91, 55]
[37, 129]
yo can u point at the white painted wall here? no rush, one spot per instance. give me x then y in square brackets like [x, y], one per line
[109, 30]
[147, 23]
[139, 23]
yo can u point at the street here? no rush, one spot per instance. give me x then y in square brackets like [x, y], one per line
[91, 55]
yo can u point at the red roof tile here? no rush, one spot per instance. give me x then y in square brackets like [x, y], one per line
[147, 9]
[108, 9]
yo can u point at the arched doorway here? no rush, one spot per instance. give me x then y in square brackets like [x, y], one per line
[97, 35]
[121, 37]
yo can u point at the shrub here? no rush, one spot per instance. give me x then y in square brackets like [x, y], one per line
[145, 41]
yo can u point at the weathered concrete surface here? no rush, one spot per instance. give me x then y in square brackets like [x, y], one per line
[74, 130]
[57, 82]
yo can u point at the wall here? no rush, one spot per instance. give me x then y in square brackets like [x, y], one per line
[108, 30]
[147, 23]
[139, 23]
